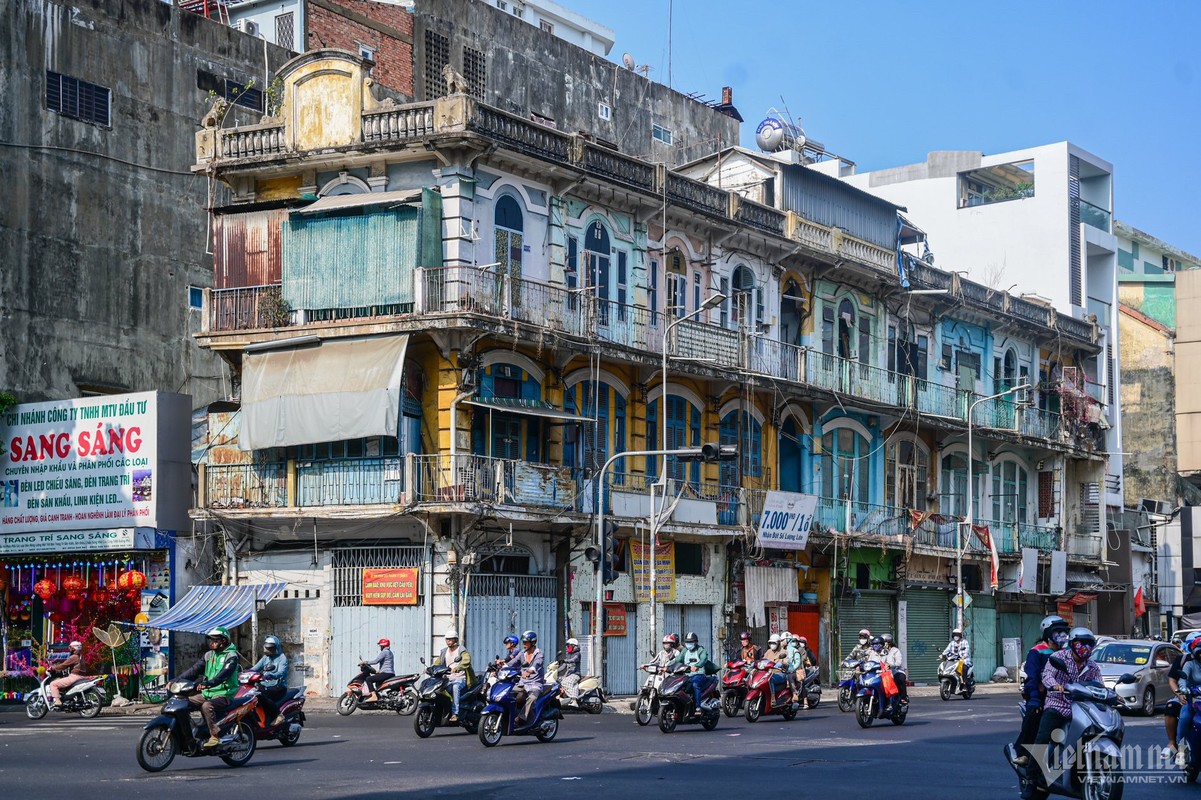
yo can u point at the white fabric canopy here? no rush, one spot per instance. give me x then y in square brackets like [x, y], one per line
[768, 585]
[341, 389]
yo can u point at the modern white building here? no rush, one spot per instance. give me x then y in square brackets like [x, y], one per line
[1040, 219]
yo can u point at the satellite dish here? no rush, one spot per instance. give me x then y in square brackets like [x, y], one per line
[628, 60]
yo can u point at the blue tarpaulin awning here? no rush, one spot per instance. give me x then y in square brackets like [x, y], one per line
[206, 607]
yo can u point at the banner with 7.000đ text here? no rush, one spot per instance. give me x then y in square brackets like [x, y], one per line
[79, 464]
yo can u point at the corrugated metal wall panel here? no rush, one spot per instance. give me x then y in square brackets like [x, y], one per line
[1025, 626]
[981, 617]
[698, 619]
[247, 248]
[926, 633]
[814, 198]
[360, 261]
[621, 658]
[498, 605]
[872, 611]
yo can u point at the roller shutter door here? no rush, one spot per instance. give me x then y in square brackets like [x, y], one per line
[981, 618]
[927, 632]
[872, 610]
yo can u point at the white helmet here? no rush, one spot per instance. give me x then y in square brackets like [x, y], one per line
[573, 642]
[773, 639]
[75, 645]
[451, 633]
[957, 632]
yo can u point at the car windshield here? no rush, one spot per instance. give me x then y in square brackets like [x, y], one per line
[1118, 653]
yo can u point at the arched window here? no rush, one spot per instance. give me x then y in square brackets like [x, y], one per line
[676, 281]
[791, 455]
[510, 228]
[906, 469]
[846, 332]
[597, 441]
[792, 309]
[845, 470]
[597, 257]
[499, 433]
[952, 484]
[744, 301]
[683, 430]
[744, 432]
[1010, 493]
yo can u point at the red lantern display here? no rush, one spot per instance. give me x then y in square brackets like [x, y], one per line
[72, 586]
[45, 589]
[132, 581]
[100, 596]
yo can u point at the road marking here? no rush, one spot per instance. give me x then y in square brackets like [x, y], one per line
[393, 762]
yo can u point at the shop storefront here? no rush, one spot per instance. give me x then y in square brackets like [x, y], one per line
[93, 490]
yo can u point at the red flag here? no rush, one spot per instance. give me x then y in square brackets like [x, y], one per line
[1140, 607]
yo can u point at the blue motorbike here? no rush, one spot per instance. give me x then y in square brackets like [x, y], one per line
[499, 718]
[873, 703]
[1192, 737]
[848, 683]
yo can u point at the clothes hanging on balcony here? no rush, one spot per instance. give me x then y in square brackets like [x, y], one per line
[341, 389]
[768, 585]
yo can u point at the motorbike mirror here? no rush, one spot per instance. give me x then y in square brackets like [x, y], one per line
[1128, 678]
[422, 659]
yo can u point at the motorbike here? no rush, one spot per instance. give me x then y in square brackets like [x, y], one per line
[84, 697]
[646, 707]
[733, 687]
[395, 694]
[766, 697]
[811, 688]
[291, 708]
[589, 696]
[872, 703]
[174, 732]
[1090, 767]
[676, 703]
[848, 683]
[1192, 737]
[435, 703]
[950, 682]
[500, 715]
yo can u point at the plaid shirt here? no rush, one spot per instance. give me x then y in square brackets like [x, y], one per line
[1075, 673]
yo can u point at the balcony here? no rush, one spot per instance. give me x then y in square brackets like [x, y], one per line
[245, 308]
[350, 482]
[1094, 215]
[244, 486]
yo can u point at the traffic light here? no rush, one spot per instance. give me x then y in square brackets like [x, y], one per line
[609, 552]
[710, 451]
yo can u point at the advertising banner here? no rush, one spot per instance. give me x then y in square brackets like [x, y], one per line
[665, 571]
[390, 587]
[92, 463]
[615, 619]
[786, 519]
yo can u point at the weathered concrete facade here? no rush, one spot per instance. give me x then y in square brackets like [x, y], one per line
[100, 235]
[1148, 408]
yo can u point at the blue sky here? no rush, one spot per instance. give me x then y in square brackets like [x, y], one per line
[883, 83]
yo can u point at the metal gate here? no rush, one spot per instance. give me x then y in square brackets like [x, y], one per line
[621, 676]
[1026, 626]
[684, 619]
[498, 605]
[927, 632]
[355, 628]
[871, 610]
[981, 618]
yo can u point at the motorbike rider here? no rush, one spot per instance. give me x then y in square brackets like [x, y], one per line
[512, 653]
[748, 653]
[798, 663]
[569, 669]
[219, 666]
[1054, 638]
[959, 650]
[274, 685]
[863, 650]
[1176, 703]
[895, 659]
[1073, 665]
[386, 669]
[533, 678]
[73, 672]
[671, 647]
[1189, 680]
[778, 654]
[461, 675]
[695, 658]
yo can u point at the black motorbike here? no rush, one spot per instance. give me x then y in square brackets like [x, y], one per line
[676, 704]
[174, 731]
[435, 702]
[646, 708]
[395, 694]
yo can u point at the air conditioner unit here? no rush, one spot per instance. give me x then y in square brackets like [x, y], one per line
[248, 26]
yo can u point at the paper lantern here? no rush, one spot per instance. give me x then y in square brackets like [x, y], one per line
[44, 589]
[100, 596]
[131, 581]
[56, 617]
[72, 586]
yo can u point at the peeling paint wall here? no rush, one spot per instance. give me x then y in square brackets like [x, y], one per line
[1148, 406]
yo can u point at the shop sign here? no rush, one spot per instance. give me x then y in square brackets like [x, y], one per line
[615, 619]
[665, 571]
[786, 519]
[390, 587]
[68, 541]
[88, 463]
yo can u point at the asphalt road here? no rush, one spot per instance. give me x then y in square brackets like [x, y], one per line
[945, 749]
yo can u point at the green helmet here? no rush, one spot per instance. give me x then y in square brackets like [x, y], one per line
[220, 632]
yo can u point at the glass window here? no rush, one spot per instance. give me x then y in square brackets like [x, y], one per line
[597, 441]
[744, 432]
[953, 485]
[1009, 493]
[683, 430]
[597, 254]
[845, 469]
[509, 231]
[907, 469]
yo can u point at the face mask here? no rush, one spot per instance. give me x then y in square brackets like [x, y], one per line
[1082, 650]
[774, 646]
[691, 645]
[863, 640]
[1059, 639]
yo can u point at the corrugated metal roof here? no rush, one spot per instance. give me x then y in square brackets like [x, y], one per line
[207, 607]
[533, 408]
[344, 201]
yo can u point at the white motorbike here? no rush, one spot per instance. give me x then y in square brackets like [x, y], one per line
[647, 706]
[588, 696]
[952, 682]
[84, 697]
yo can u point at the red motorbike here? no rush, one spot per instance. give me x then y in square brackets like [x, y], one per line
[733, 688]
[291, 708]
[764, 696]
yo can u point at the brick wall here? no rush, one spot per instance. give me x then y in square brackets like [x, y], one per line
[393, 54]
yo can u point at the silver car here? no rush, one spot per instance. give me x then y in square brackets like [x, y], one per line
[1147, 660]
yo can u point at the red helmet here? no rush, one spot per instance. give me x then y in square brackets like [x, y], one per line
[385, 643]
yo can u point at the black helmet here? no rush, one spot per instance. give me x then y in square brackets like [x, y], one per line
[877, 642]
[1052, 625]
[529, 636]
[691, 638]
[887, 638]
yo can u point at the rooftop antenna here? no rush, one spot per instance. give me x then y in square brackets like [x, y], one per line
[628, 61]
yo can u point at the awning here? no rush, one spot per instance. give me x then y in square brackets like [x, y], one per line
[341, 389]
[768, 585]
[1084, 578]
[344, 201]
[207, 607]
[531, 408]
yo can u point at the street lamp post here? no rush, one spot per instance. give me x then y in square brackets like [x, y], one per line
[971, 502]
[712, 301]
